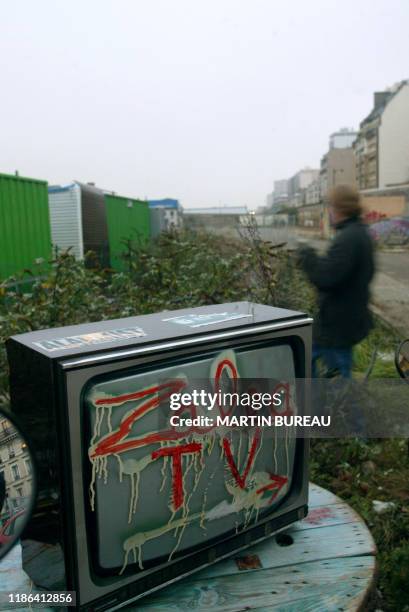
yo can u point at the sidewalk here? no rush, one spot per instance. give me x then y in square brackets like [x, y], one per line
[390, 301]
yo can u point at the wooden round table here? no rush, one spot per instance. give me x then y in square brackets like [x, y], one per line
[324, 563]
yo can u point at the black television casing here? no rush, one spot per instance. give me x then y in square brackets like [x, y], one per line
[46, 387]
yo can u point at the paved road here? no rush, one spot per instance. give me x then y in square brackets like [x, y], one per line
[390, 288]
[396, 265]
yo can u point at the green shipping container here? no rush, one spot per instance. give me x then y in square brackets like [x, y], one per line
[25, 236]
[128, 219]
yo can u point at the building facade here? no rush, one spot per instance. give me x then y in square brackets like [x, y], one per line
[393, 140]
[279, 197]
[15, 469]
[343, 139]
[291, 193]
[270, 200]
[382, 144]
[313, 192]
[338, 166]
[386, 203]
[281, 189]
[366, 147]
[171, 211]
[298, 184]
[221, 220]
[301, 180]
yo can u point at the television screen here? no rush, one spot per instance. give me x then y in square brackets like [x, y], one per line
[175, 487]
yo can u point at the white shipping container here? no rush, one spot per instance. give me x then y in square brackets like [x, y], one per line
[66, 218]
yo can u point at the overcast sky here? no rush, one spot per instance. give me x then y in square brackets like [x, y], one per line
[208, 101]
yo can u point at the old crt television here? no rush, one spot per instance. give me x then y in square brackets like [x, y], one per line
[127, 504]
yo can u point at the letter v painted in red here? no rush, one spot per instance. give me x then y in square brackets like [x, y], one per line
[241, 479]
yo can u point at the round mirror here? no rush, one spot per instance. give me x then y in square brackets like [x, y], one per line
[402, 359]
[17, 483]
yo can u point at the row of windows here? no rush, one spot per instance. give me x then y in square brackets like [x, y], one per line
[15, 470]
[11, 452]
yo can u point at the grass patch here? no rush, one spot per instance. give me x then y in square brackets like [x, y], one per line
[363, 471]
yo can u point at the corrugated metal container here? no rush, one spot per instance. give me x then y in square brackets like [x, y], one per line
[66, 218]
[78, 220]
[94, 222]
[25, 239]
[127, 219]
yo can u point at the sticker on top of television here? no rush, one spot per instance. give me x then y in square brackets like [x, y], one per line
[197, 320]
[82, 340]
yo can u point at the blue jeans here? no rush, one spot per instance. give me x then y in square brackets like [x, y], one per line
[340, 360]
[334, 359]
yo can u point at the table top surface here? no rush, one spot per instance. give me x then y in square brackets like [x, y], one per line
[323, 563]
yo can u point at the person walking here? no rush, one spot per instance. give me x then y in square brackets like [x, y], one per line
[342, 277]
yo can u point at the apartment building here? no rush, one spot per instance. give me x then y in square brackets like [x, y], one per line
[279, 197]
[313, 192]
[15, 468]
[343, 139]
[338, 166]
[298, 184]
[382, 144]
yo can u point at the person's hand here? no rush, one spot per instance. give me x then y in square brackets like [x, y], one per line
[303, 253]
